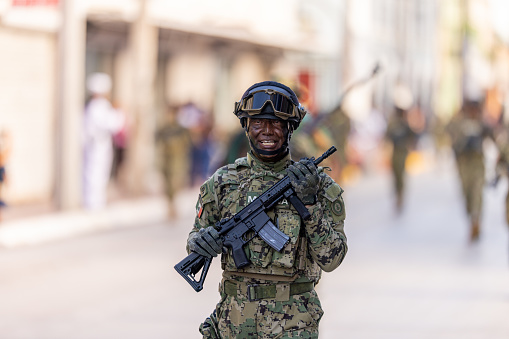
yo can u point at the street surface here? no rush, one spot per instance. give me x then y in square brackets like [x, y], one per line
[407, 276]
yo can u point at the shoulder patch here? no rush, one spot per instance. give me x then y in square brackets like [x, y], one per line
[337, 208]
[207, 191]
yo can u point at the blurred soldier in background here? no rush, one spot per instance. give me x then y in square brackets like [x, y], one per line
[5, 149]
[313, 137]
[502, 166]
[100, 122]
[174, 145]
[339, 125]
[468, 132]
[274, 295]
[238, 147]
[402, 139]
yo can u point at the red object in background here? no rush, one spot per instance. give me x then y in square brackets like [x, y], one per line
[30, 3]
[306, 90]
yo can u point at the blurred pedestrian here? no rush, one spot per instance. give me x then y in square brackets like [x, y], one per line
[502, 167]
[174, 145]
[100, 122]
[200, 124]
[120, 140]
[402, 139]
[468, 132]
[274, 294]
[5, 149]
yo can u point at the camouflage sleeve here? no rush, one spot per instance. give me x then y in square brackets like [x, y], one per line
[207, 212]
[325, 229]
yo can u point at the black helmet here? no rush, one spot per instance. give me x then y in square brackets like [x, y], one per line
[270, 100]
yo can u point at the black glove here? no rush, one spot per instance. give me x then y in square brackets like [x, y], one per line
[304, 178]
[206, 242]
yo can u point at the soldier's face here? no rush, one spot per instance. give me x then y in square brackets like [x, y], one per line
[268, 135]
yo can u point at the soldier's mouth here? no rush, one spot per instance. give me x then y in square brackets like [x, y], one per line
[267, 144]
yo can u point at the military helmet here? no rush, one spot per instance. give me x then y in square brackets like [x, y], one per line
[270, 100]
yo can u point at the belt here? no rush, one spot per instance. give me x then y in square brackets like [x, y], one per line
[254, 292]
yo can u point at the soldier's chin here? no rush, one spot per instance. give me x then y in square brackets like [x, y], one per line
[270, 158]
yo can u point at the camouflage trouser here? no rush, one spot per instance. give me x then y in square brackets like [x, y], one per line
[471, 172]
[398, 170]
[286, 316]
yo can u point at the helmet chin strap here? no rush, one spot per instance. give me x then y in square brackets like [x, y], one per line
[280, 150]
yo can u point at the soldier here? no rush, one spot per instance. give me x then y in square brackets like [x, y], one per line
[174, 144]
[274, 295]
[502, 166]
[468, 132]
[402, 139]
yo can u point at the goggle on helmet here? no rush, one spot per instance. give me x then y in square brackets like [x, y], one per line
[283, 101]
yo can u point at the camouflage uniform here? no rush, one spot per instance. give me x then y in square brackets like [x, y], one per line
[287, 305]
[467, 136]
[340, 125]
[502, 168]
[402, 138]
[174, 143]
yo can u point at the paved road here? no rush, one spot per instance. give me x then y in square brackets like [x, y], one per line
[412, 275]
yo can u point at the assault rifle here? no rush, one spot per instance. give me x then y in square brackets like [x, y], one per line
[253, 218]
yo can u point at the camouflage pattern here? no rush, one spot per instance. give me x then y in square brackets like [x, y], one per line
[304, 178]
[315, 245]
[297, 316]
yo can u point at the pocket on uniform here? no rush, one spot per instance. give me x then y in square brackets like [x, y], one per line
[289, 224]
[306, 312]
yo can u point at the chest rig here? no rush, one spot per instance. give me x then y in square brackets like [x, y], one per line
[245, 181]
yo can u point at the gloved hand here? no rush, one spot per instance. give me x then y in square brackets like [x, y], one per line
[304, 178]
[206, 242]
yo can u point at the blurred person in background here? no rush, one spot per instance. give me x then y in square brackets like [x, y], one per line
[340, 125]
[120, 139]
[402, 139]
[199, 123]
[468, 132]
[100, 122]
[5, 149]
[174, 145]
[502, 167]
[282, 301]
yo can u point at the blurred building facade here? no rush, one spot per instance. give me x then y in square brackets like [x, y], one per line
[158, 53]
[401, 36]
[162, 52]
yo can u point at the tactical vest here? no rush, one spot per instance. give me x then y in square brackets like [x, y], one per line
[245, 180]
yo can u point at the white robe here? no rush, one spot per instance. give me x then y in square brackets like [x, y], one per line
[100, 122]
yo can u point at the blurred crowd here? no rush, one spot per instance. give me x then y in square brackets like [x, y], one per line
[394, 140]
[188, 149]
